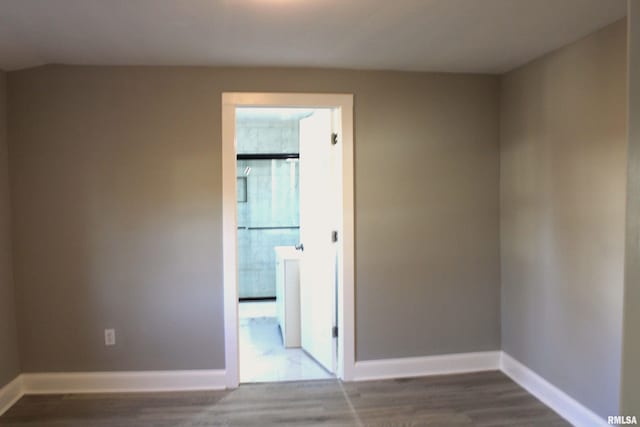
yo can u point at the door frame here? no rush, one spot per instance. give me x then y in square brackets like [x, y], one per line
[346, 248]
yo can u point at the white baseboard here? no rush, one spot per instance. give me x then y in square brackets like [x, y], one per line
[116, 382]
[158, 381]
[428, 365]
[566, 406]
[550, 395]
[10, 393]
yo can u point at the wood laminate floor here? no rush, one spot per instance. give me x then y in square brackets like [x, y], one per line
[479, 399]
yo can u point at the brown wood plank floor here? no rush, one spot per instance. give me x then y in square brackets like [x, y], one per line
[479, 399]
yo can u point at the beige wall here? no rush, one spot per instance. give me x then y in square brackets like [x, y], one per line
[117, 205]
[562, 188]
[630, 404]
[9, 362]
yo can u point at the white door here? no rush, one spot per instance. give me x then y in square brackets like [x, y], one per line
[318, 219]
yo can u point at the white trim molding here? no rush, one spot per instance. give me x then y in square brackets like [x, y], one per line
[566, 406]
[122, 382]
[343, 104]
[408, 367]
[191, 380]
[10, 394]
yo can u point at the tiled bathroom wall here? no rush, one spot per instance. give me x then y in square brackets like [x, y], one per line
[257, 135]
[268, 202]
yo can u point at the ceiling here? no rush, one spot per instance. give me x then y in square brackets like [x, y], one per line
[485, 36]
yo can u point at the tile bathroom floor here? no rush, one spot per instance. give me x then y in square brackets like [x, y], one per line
[263, 357]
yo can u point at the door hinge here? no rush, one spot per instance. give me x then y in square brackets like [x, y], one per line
[334, 138]
[334, 332]
[334, 236]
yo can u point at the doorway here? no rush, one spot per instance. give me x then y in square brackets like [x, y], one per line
[274, 345]
[316, 322]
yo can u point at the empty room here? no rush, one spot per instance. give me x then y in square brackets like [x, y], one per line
[319, 213]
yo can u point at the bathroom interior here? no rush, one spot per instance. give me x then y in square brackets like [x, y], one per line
[268, 170]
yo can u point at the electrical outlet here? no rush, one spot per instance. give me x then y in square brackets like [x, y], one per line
[109, 337]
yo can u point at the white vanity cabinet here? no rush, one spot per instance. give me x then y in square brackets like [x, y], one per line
[288, 294]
